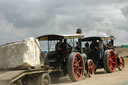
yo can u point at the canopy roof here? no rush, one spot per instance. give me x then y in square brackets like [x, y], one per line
[59, 36]
[98, 38]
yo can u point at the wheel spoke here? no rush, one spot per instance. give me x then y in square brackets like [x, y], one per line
[109, 59]
[75, 67]
[75, 71]
[113, 57]
[78, 61]
[78, 73]
[112, 68]
[90, 65]
[90, 69]
[113, 62]
[75, 60]
[110, 63]
[80, 67]
[122, 63]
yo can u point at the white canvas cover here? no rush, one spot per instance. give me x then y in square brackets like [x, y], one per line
[20, 53]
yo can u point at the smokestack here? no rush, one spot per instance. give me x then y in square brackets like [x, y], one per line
[78, 31]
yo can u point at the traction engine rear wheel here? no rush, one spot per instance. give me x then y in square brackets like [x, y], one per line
[110, 61]
[75, 66]
[122, 63]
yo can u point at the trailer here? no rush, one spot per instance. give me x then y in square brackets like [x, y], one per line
[26, 76]
[20, 64]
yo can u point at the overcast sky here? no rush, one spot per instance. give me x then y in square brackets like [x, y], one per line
[21, 19]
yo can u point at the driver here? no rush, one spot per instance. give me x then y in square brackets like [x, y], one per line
[94, 45]
[58, 45]
[66, 48]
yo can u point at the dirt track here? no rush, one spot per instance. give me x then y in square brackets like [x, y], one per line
[100, 78]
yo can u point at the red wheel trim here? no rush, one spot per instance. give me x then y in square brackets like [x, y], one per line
[91, 68]
[112, 61]
[78, 66]
[122, 63]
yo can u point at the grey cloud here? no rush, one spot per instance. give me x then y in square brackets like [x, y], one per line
[25, 18]
[22, 14]
[27, 14]
[125, 11]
